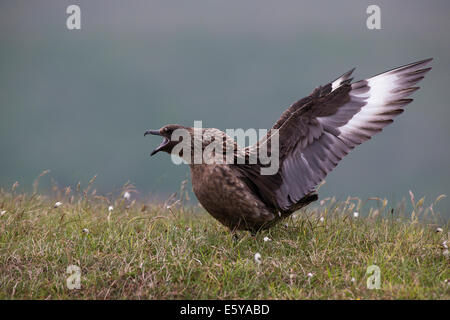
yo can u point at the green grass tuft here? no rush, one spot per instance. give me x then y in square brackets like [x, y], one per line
[148, 251]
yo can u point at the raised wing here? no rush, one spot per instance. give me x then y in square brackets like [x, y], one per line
[316, 132]
[317, 136]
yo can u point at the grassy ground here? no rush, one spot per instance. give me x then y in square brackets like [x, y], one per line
[148, 251]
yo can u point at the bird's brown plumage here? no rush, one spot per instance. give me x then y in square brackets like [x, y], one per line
[315, 133]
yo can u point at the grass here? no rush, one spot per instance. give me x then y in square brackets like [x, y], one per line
[158, 251]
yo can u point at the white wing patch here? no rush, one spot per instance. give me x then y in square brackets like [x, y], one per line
[384, 100]
[339, 81]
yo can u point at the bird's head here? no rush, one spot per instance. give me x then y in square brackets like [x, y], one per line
[169, 140]
[187, 142]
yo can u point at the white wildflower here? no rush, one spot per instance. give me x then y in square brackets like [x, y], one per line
[126, 195]
[445, 246]
[356, 214]
[310, 275]
[258, 258]
[267, 239]
[85, 230]
[353, 280]
[439, 230]
[2, 213]
[57, 204]
[291, 278]
[322, 219]
[110, 208]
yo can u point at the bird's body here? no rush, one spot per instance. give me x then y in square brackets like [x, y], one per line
[315, 133]
[223, 193]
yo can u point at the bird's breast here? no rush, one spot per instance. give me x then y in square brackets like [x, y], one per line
[227, 198]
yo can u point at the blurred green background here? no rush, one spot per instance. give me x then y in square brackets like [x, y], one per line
[78, 102]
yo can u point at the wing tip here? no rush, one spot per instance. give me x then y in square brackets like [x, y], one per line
[348, 73]
[416, 64]
[343, 79]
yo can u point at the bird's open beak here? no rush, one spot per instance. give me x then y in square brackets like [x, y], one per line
[163, 143]
[154, 132]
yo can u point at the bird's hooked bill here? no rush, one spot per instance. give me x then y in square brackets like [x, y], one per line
[154, 132]
[163, 143]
